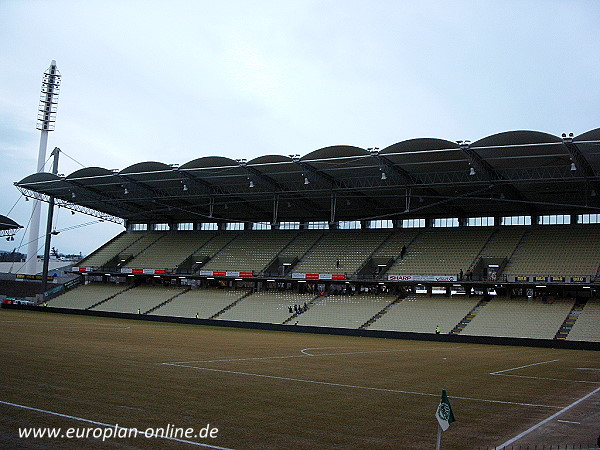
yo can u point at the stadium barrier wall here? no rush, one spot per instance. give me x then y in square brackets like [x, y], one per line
[453, 338]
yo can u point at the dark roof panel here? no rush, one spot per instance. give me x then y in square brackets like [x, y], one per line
[420, 145]
[39, 178]
[592, 135]
[8, 224]
[90, 172]
[143, 167]
[513, 138]
[336, 151]
[209, 162]
[270, 159]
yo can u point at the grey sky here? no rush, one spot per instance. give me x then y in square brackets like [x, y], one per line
[174, 81]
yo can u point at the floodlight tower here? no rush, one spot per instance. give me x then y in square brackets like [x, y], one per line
[45, 123]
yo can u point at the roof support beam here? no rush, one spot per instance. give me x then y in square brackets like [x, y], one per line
[206, 188]
[312, 174]
[98, 197]
[388, 168]
[70, 206]
[577, 157]
[156, 197]
[256, 177]
[481, 166]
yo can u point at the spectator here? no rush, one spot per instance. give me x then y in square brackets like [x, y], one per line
[403, 252]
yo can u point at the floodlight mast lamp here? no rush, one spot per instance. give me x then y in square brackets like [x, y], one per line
[45, 123]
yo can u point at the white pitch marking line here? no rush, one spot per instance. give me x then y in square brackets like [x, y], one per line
[303, 355]
[315, 348]
[568, 421]
[238, 359]
[536, 426]
[102, 424]
[586, 368]
[327, 383]
[522, 367]
[547, 378]
[364, 352]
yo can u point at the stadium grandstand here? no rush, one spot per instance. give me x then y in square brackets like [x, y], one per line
[498, 237]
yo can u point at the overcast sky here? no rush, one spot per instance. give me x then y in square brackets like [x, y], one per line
[172, 81]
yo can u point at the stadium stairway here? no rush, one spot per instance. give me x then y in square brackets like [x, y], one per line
[189, 288]
[517, 250]
[296, 314]
[370, 256]
[218, 248]
[118, 262]
[571, 318]
[377, 316]
[483, 251]
[276, 257]
[231, 305]
[467, 319]
[111, 297]
[310, 249]
[191, 264]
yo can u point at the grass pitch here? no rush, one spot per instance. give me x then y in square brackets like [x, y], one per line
[265, 389]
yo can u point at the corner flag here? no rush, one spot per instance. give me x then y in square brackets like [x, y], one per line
[444, 413]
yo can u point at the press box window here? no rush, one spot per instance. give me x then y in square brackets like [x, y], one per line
[234, 226]
[516, 220]
[560, 219]
[187, 226]
[209, 226]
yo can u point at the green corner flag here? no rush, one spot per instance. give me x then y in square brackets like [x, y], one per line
[444, 413]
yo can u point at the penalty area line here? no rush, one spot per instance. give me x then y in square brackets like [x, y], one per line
[546, 378]
[102, 424]
[351, 386]
[304, 354]
[522, 367]
[553, 416]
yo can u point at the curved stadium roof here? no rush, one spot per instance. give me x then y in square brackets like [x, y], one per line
[511, 173]
[7, 224]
